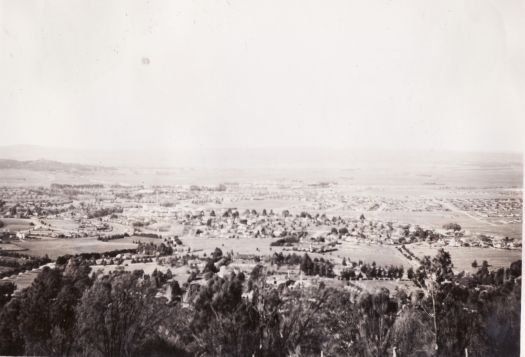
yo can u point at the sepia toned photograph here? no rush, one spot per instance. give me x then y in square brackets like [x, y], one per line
[261, 178]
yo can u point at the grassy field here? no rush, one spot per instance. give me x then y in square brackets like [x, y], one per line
[462, 257]
[368, 253]
[57, 247]
[179, 273]
[16, 224]
[381, 254]
[62, 224]
[241, 245]
[10, 247]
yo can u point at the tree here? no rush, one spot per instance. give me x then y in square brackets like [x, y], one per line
[255, 275]
[378, 313]
[11, 339]
[515, 268]
[117, 314]
[307, 265]
[176, 291]
[224, 323]
[36, 323]
[217, 254]
[292, 323]
[442, 266]
[74, 282]
[169, 275]
[430, 276]
[412, 332]
[210, 267]
[46, 320]
[6, 292]
[502, 318]
[452, 226]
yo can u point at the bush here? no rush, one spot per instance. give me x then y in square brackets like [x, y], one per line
[452, 226]
[285, 241]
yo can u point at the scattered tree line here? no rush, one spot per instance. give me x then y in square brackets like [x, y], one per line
[112, 237]
[407, 253]
[372, 271]
[280, 259]
[317, 266]
[154, 249]
[219, 188]
[90, 257]
[148, 235]
[89, 186]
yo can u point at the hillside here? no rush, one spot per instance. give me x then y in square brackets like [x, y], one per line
[48, 165]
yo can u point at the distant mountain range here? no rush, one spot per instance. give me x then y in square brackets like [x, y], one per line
[247, 158]
[48, 165]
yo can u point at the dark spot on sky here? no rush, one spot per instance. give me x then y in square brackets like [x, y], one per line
[145, 61]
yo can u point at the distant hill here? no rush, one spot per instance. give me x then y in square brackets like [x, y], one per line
[264, 158]
[48, 165]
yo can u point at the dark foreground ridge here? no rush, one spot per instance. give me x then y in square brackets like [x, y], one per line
[70, 310]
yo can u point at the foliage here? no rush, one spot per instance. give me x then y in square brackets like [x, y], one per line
[287, 241]
[20, 262]
[452, 226]
[117, 314]
[6, 292]
[102, 212]
[45, 318]
[317, 266]
[69, 311]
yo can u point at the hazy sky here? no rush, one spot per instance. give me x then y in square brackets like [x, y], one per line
[422, 74]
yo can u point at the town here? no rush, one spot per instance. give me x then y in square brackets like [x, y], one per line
[300, 237]
[93, 218]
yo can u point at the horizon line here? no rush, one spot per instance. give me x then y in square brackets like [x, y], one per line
[269, 147]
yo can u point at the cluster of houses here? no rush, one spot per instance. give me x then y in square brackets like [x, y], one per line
[320, 228]
[507, 210]
[19, 202]
[178, 203]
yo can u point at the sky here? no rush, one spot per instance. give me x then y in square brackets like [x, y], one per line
[120, 75]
